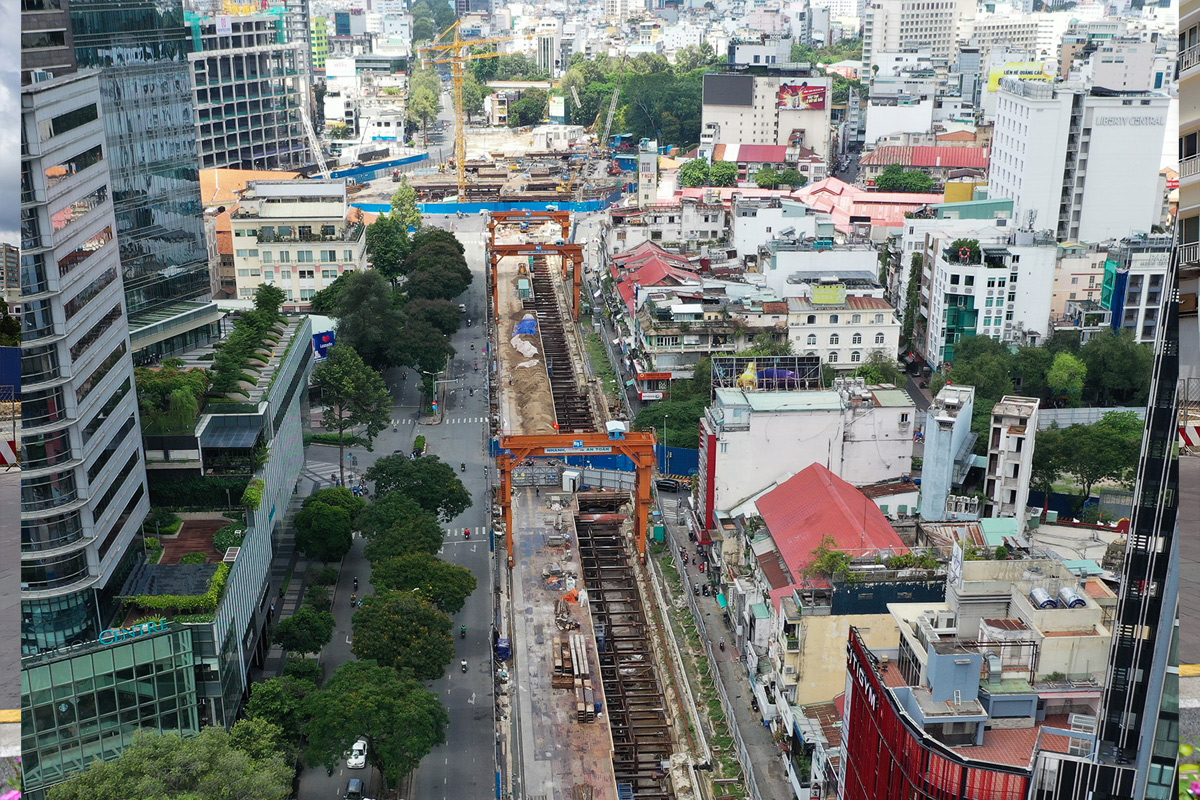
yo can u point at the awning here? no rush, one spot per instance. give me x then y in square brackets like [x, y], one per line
[721, 601]
[219, 434]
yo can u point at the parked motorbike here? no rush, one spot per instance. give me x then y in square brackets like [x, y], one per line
[706, 590]
[696, 589]
[722, 647]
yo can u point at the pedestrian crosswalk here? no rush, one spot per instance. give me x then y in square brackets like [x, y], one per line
[465, 420]
[457, 535]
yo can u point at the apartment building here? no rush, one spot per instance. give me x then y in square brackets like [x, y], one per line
[843, 331]
[249, 89]
[893, 26]
[1188, 217]
[948, 455]
[297, 235]
[1135, 277]
[775, 104]
[1010, 457]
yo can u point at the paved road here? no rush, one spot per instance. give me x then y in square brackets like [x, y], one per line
[465, 766]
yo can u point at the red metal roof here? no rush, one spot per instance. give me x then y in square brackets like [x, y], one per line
[814, 504]
[762, 153]
[948, 157]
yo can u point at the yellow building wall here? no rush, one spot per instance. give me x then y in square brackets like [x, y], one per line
[961, 191]
[821, 666]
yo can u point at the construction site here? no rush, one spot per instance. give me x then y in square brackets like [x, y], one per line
[592, 711]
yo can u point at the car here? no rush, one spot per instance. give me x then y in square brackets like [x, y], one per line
[357, 759]
[668, 485]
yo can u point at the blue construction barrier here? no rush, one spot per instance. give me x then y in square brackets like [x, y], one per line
[583, 207]
[380, 169]
[1064, 504]
[683, 461]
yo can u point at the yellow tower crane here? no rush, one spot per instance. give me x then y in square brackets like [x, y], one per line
[450, 48]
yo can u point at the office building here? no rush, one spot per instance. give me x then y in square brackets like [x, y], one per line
[1135, 276]
[1059, 150]
[1187, 224]
[248, 89]
[299, 235]
[47, 44]
[146, 94]
[10, 272]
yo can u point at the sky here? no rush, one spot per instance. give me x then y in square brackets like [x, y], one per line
[10, 135]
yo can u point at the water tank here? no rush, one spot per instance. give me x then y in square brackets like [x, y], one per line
[1042, 599]
[1070, 598]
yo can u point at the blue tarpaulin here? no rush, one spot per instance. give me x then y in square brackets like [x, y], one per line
[526, 327]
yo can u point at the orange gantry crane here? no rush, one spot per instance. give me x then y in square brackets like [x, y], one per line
[638, 446]
[450, 48]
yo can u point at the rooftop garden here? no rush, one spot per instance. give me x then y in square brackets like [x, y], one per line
[245, 354]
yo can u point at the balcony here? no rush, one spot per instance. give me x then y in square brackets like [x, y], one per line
[352, 233]
[1189, 166]
[1189, 252]
[1188, 59]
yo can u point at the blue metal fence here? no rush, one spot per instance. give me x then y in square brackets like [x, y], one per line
[379, 169]
[582, 207]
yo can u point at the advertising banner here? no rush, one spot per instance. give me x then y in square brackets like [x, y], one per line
[322, 342]
[1025, 70]
[802, 97]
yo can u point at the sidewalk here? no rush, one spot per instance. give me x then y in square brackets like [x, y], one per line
[766, 762]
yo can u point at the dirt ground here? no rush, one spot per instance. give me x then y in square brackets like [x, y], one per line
[525, 396]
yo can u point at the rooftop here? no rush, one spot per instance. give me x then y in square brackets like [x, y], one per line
[954, 157]
[766, 402]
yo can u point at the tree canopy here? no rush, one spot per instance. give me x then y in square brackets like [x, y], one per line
[394, 525]
[404, 631]
[895, 178]
[323, 532]
[428, 481]
[445, 585]
[354, 395]
[404, 206]
[388, 244]
[167, 766]
[529, 109]
[402, 719]
[767, 177]
[723, 173]
[281, 702]
[368, 318]
[694, 173]
[305, 631]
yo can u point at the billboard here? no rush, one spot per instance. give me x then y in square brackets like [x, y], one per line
[1025, 70]
[558, 108]
[802, 97]
[322, 342]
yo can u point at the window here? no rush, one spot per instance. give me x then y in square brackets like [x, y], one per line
[347, 255]
[811, 320]
[833, 357]
[855, 356]
[329, 255]
[285, 256]
[1074, 281]
[833, 319]
[305, 274]
[266, 256]
[880, 338]
[879, 319]
[304, 256]
[328, 274]
[268, 275]
[856, 319]
[904, 418]
[812, 339]
[242, 253]
[856, 338]
[834, 338]
[327, 230]
[285, 274]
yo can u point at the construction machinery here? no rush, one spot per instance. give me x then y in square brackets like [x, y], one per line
[450, 48]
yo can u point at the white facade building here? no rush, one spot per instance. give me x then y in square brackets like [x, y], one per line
[777, 108]
[842, 331]
[754, 221]
[1058, 152]
[887, 115]
[753, 440]
[897, 25]
[297, 235]
[1010, 457]
[948, 455]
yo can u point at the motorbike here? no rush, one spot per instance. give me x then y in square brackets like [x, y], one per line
[466, 533]
[464, 666]
[462, 467]
[356, 584]
[696, 589]
[353, 600]
[462, 632]
[706, 590]
[722, 647]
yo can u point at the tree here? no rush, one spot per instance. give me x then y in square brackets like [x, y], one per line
[793, 178]
[529, 109]
[912, 299]
[1118, 369]
[895, 178]
[880, 368]
[445, 585]
[325, 301]
[428, 234]
[166, 766]
[387, 240]
[268, 299]
[281, 702]
[432, 255]
[341, 132]
[767, 177]
[1047, 462]
[472, 97]
[443, 281]
[1105, 450]
[423, 346]
[323, 532]
[1066, 378]
[403, 631]
[368, 319]
[439, 314]
[394, 525]
[259, 739]
[404, 205]
[402, 719]
[305, 631]
[694, 57]
[354, 394]
[429, 481]
[723, 173]
[764, 344]
[694, 173]
[337, 496]
[1029, 367]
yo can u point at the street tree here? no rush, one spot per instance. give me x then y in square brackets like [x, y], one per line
[723, 173]
[259, 739]
[354, 395]
[895, 178]
[341, 132]
[325, 301]
[1029, 367]
[167, 766]
[694, 173]
[368, 318]
[402, 719]
[433, 254]
[404, 206]
[269, 298]
[428, 481]
[442, 281]
[394, 525]
[281, 702]
[305, 631]
[472, 97]
[440, 314]
[1066, 378]
[388, 244]
[912, 298]
[793, 178]
[423, 347]
[323, 532]
[428, 234]
[404, 631]
[338, 496]
[445, 585]
[767, 177]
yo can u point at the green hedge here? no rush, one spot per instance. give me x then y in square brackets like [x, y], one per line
[193, 558]
[192, 603]
[350, 440]
[154, 549]
[419, 445]
[229, 536]
[196, 492]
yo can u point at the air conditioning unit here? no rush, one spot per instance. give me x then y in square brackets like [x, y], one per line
[789, 669]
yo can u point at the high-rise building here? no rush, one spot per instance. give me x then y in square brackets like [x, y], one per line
[893, 26]
[83, 493]
[248, 88]
[1135, 277]
[10, 272]
[140, 49]
[1058, 151]
[948, 455]
[47, 46]
[1187, 223]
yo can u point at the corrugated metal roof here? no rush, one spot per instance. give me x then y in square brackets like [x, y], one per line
[946, 157]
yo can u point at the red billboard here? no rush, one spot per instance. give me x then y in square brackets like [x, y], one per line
[802, 97]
